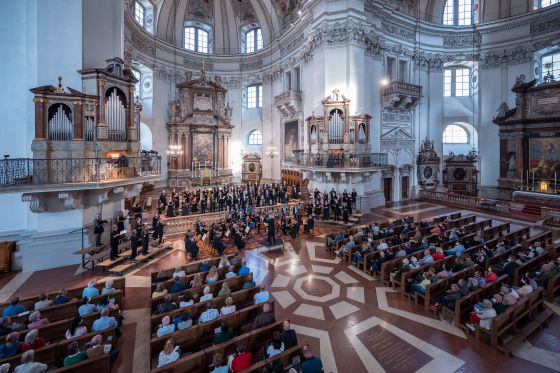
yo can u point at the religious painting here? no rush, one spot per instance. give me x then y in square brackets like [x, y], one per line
[291, 134]
[544, 157]
[203, 148]
[287, 6]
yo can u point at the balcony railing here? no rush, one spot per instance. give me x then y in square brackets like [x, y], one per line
[346, 161]
[25, 171]
[401, 88]
[290, 95]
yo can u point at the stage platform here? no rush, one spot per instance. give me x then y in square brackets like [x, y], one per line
[266, 245]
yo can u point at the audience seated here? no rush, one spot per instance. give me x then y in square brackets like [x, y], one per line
[28, 365]
[224, 334]
[265, 318]
[43, 302]
[13, 309]
[244, 270]
[90, 290]
[276, 346]
[228, 308]
[288, 335]
[108, 288]
[5, 328]
[104, 322]
[197, 282]
[212, 275]
[166, 327]
[32, 341]
[160, 291]
[262, 296]
[249, 283]
[11, 346]
[185, 300]
[219, 364]
[230, 273]
[169, 354]
[77, 328]
[207, 295]
[74, 355]
[86, 307]
[482, 316]
[311, 363]
[209, 314]
[177, 285]
[36, 321]
[178, 273]
[242, 360]
[184, 321]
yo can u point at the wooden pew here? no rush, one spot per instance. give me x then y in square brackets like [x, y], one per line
[97, 365]
[552, 288]
[438, 287]
[189, 268]
[188, 278]
[285, 359]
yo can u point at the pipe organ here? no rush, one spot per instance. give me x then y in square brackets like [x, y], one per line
[60, 123]
[337, 132]
[115, 115]
[67, 121]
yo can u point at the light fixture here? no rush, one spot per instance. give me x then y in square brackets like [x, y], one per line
[175, 151]
[384, 81]
[271, 152]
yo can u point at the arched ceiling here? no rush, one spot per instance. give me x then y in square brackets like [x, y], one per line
[226, 17]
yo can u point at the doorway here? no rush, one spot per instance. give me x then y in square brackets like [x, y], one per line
[404, 187]
[388, 189]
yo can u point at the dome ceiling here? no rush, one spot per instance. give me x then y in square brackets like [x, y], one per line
[226, 17]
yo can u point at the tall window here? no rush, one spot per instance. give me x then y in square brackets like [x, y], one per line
[254, 96]
[255, 137]
[196, 39]
[139, 13]
[454, 134]
[458, 13]
[138, 85]
[456, 82]
[544, 3]
[253, 40]
[551, 67]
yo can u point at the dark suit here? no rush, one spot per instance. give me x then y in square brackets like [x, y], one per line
[271, 231]
[114, 243]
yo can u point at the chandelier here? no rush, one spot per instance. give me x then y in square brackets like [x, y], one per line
[271, 152]
[175, 150]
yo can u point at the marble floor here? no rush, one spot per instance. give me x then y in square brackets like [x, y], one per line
[354, 321]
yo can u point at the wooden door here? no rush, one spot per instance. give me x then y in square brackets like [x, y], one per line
[388, 189]
[404, 187]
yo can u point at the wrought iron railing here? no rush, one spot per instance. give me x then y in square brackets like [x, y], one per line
[339, 161]
[403, 89]
[76, 170]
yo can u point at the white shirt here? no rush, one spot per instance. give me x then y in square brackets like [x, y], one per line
[186, 304]
[165, 329]
[166, 359]
[486, 317]
[206, 297]
[227, 310]
[42, 304]
[32, 367]
[178, 274]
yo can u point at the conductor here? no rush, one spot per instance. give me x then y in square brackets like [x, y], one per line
[271, 230]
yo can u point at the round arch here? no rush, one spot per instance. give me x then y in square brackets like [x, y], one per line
[146, 138]
[459, 138]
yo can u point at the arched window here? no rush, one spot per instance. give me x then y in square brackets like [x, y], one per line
[253, 40]
[544, 3]
[255, 137]
[550, 67]
[456, 81]
[454, 134]
[139, 13]
[458, 13]
[197, 39]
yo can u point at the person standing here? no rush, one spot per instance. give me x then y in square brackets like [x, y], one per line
[134, 243]
[271, 230]
[114, 242]
[145, 240]
[98, 229]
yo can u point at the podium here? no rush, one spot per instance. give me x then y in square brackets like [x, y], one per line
[278, 245]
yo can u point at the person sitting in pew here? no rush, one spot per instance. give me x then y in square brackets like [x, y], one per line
[242, 360]
[96, 348]
[166, 327]
[104, 322]
[197, 282]
[74, 355]
[249, 283]
[183, 321]
[32, 341]
[225, 290]
[311, 363]
[107, 302]
[289, 337]
[219, 364]
[265, 318]
[243, 270]
[228, 308]
[358, 256]
[309, 225]
[463, 287]
[224, 262]
[11, 346]
[204, 267]
[347, 247]
[160, 291]
[166, 305]
[5, 327]
[459, 265]
[169, 354]
[209, 314]
[212, 275]
[77, 328]
[207, 295]
[62, 297]
[108, 288]
[43, 302]
[28, 365]
[420, 287]
[262, 296]
[498, 304]
[332, 242]
[230, 273]
[90, 290]
[457, 250]
[13, 309]
[177, 285]
[224, 334]
[86, 307]
[510, 296]
[482, 315]
[490, 275]
[526, 287]
[275, 347]
[36, 321]
[185, 300]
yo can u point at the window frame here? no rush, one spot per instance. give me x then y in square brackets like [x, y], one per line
[256, 139]
[138, 85]
[138, 5]
[538, 4]
[198, 34]
[256, 102]
[253, 40]
[450, 83]
[458, 17]
[452, 127]
[555, 70]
